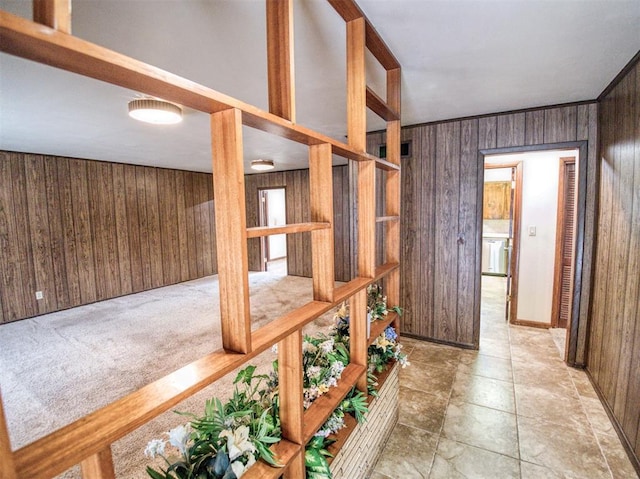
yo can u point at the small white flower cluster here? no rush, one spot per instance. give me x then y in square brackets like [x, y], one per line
[178, 438]
[239, 445]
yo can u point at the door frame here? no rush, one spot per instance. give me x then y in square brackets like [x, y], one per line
[514, 262]
[581, 209]
[263, 215]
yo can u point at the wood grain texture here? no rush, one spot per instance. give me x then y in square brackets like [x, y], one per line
[614, 337]
[53, 13]
[98, 466]
[290, 385]
[7, 471]
[356, 85]
[358, 340]
[280, 70]
[436, 191]
[231, 229]
[93, 242]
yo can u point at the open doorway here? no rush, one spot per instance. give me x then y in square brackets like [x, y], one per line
[530, 231]
[273, 212]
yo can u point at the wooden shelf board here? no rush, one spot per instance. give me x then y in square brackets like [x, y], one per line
[380, 107]
[285, 451]
[349, 289]
[386, 165]
[261, 231]
[385, 269]
[323, 407]
[383, 219]
[379, 325]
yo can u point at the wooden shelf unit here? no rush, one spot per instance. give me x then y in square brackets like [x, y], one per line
[88, 441]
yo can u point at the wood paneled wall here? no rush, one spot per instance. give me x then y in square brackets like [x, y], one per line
[83, 231]
[442, 213]
[614, 341]
[296, 184]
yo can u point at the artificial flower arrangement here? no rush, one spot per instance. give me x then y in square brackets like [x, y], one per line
[230, 437]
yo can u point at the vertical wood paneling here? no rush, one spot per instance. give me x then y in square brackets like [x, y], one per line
[467, 277]
[83, 230]
[424, 247]
[446, 229]
[487, 132]
[440, 198]
[68, 232]
[134, 227]
[534, 127]
[38, 219]
[510, 130]
[560, 124]
[190, 219]
[122, 228]
[82, 222]
[56, 242]
[614, 336]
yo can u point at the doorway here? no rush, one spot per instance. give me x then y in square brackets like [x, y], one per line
[538, 289]
[273, 212]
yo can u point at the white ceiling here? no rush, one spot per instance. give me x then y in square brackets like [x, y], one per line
[459, 58]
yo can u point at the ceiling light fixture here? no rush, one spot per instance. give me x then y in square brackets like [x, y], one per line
[262, 165]
[158, 112]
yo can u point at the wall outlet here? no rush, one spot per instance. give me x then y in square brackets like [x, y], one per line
[39, 295]
[532, 230]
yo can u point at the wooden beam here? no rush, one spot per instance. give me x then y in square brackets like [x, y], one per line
[260, 231]
[8, 468]
[297, 467]
[231, 230]
[380, 107]
[379, 49]
[290, 387]
[321, 196]
[280, 58]
[356, 86]
[366, 220]
[53, 13]
[98, 466]
[347, 9]
[358, 340]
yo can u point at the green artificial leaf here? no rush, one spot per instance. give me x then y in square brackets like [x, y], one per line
[155, 474]
[245, 375]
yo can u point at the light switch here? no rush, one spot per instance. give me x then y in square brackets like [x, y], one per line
[39, 295]
[532, 230]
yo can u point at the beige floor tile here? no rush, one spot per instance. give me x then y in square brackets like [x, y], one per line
[483, 391]
[482, 427]
[422, 410]
[582, 383]
[408, 454]
[617, 459]
[536, 402]
[435, 356]
[454, 460]
[494, 347]
[552, 377]
[561, 449]
[597, 415]
[434, 380]
[535, 471]
[486, 366]
[377, 475]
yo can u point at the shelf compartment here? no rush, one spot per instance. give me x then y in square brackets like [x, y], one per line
[379, 325]
[260, 231]
[323, 407]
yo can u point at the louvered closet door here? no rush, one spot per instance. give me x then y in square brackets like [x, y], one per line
[565, 287]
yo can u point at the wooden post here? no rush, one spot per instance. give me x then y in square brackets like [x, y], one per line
[358, 333]
[356, 85]
[290, 387]
[280, 59]
[322, 247]
[366, 219]
[296, 469]
[231, 229]
[7, 464]
[98, 466]
[392, 200]
[53, 13]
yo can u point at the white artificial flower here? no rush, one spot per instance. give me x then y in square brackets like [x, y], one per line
[314, 371]
[238, 469]
[179, 436]
[274, 348]
[308, 347]
[154, 448]
[327, 346]
[238, 442]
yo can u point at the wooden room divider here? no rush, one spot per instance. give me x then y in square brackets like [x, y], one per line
[88, 441]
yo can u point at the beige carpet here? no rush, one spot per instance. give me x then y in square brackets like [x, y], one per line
[59, 367]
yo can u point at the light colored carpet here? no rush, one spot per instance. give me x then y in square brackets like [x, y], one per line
[59, 367]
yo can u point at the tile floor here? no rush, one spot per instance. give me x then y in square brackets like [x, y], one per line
[511, 410]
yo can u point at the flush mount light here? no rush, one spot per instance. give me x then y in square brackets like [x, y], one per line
[262, 165]
[158, 112]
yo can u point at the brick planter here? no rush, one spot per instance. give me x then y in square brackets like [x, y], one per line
[360, 452]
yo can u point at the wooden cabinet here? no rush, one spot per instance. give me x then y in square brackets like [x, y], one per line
[497, 200]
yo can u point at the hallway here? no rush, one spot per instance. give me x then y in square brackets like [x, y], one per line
[511, 410]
